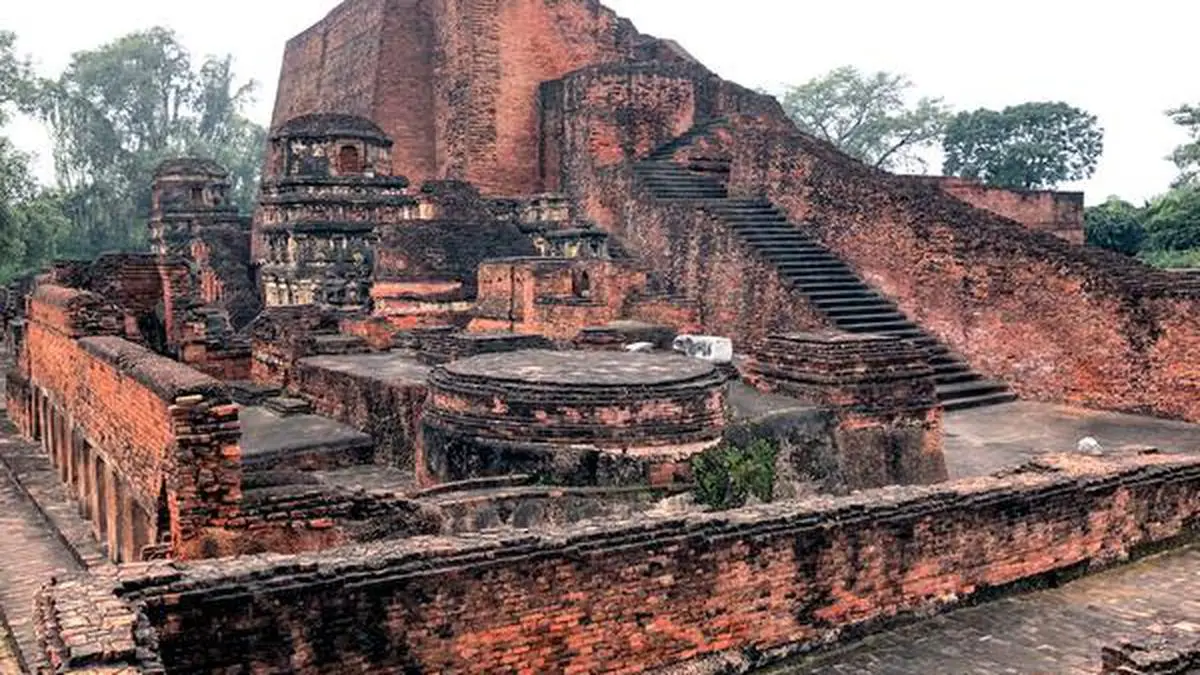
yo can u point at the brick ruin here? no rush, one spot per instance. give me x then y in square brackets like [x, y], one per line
[429, 376]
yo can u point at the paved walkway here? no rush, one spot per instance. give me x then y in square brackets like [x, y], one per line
[1058, 631]
[982, 441]
[32, 554]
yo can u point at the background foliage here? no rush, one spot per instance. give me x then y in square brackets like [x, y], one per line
[115, 112]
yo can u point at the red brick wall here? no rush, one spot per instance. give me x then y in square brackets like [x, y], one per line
[540, 296]
[454, 82]
[1057, 322]
[113, 412]
[754, 584]
[332, 66]
[1059, 213]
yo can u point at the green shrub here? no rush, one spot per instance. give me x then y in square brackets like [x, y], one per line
[1186, 259]
[727, 475]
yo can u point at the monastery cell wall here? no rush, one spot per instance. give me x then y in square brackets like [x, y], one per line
[148, 445]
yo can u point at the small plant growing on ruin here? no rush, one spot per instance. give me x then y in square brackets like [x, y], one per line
[728, 475]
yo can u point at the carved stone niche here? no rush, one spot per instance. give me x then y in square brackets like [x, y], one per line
[889, 422]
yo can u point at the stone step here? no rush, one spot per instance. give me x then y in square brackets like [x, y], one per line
[857, 319]
[287, 406]
[797, 251]
[844, 295]
[775, 238]
[951, 368]
[811, 275]
[810, 286]
[969, 402]
[802, 267]
[878, 305]
[885, 327]
[835, 304]
[686, 195]
[967, 375]
[980, 387]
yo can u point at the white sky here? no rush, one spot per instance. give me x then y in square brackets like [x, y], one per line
[1125, 62]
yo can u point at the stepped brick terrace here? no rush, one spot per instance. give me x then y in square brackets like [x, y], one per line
[547, 350]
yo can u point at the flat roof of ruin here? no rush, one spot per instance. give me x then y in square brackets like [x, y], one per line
[395, 367]
[541, 367]
[268, 433]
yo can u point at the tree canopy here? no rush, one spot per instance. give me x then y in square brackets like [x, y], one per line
[1027, 146]
[1115, 225]
[119, 110]
[1173, 220]
[868, 116]
[1187, 156]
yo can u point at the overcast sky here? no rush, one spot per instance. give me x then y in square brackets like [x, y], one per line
[1127, 62]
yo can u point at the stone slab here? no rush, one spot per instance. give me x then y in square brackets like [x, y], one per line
[267, 433]
[587, 368]
[399, 367]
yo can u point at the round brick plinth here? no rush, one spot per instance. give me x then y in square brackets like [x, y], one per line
[579, 418]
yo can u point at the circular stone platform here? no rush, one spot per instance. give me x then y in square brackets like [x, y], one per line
[576, 417]
[571, 368]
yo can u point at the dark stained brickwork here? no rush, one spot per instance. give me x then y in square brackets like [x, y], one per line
[752, 585]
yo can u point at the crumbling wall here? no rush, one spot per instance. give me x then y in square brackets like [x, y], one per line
[1059, 213]
[1056, 322]
[147, 445]
[749, 586]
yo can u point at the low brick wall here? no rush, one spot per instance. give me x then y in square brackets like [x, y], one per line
[750, 586]
[387, 409]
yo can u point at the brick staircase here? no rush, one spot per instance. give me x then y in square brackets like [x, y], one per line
[831, 285]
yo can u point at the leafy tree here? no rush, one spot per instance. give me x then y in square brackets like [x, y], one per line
[1173, 221]
[868, 116]
[119, 110]
[1116, 225]
[1028, 146]
[31, 222]
[1187, 155]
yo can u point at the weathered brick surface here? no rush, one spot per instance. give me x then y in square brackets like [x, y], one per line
[1059, 213]
[553, 297]
[454, 82]
[1018, 304]
[758, 583]
[604, 118]
[140, 439]
[389, 409]
[576, 418]
[889, 421]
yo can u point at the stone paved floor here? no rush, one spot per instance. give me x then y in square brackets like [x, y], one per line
[31, 555]
[1056, 631]
[982, 441]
